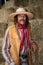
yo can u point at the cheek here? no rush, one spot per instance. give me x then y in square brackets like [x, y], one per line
[19, 18]
[24, 18]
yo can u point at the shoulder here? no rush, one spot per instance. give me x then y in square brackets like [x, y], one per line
[7, 30]
[12, 26]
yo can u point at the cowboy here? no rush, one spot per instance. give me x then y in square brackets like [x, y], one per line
[16, 42]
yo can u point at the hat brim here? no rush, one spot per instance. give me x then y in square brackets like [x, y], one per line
[29, 14]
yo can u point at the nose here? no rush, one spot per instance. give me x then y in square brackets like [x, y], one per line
[22, 17]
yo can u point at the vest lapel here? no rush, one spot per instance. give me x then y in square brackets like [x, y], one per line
[17, 40]
[15, 37]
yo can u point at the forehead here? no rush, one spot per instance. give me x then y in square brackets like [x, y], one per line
[21, 15]
[34, 43]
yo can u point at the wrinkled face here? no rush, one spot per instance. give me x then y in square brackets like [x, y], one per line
[21, 18]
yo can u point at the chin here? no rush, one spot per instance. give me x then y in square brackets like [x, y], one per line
[22, 22]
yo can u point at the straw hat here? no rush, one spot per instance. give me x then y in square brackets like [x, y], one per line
[21, 11]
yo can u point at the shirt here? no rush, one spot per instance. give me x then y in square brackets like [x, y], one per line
[5, 47]
[23, 54]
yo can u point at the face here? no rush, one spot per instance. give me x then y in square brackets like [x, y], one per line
[34, 46]
[21, 18]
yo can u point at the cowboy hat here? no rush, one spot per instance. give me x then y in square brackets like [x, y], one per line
[21, 11]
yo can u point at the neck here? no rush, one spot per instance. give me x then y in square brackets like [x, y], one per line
[21, 23]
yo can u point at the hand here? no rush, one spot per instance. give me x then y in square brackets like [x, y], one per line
[12, 63]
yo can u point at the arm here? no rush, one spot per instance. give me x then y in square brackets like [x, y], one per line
[5, 48]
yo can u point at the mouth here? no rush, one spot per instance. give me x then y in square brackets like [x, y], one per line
[22, 20]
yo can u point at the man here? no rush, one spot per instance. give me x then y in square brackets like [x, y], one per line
[16, 42]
